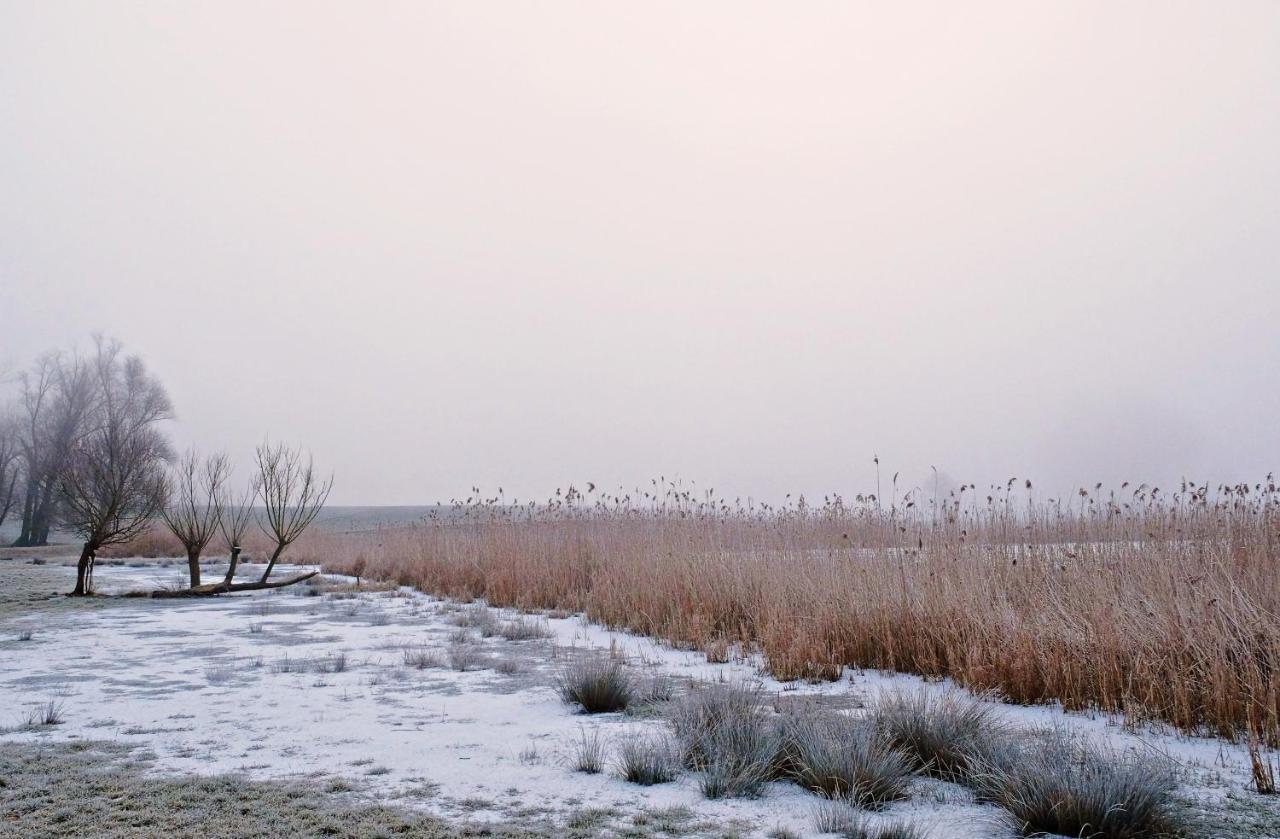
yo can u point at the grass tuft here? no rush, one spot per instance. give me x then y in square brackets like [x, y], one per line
[648, 759]
[942, 733]
[840, 757]
[588, 752]
[598, 685]
[1051, 782]
[723, 732]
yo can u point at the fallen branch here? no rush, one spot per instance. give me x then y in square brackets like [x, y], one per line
[224, 587]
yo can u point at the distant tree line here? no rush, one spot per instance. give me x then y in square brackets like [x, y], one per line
[82, 448]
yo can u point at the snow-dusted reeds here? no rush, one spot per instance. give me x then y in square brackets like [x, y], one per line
[1154, 603]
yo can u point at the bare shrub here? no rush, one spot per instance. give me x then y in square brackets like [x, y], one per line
[219, 675]
[942, 732]
[598, 685]
[588, 752]
[1051, 782]
[656, 687]
[336, 663]
[648, 759]
[508, 666]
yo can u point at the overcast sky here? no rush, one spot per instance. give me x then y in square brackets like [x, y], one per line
[523, 244]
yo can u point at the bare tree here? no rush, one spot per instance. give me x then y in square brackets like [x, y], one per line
[236, 515]
[194, 509]
[292, 496]
[57, 398]
[113, 480]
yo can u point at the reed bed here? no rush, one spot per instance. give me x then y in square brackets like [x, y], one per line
[1161, 606]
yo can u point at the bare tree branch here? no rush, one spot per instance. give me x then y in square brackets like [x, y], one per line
[194, 509]
[113, 481]
[292, 496]
[236, 515]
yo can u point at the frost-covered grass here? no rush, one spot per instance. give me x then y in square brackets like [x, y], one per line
[842, 757]
[596, 684]
[1053, 783]
[100, 789]
[942, 732]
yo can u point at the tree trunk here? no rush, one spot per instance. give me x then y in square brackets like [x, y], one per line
[227, 588]
[84, 579]
[272, 564]
[193, 566]
[43, 518]
[235, 559]
[28, 511]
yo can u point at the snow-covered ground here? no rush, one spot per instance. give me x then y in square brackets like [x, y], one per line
[276, 685]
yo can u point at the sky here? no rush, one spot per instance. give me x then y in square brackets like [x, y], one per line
[752, 245]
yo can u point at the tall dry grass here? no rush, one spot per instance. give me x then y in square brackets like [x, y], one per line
[1161, 606]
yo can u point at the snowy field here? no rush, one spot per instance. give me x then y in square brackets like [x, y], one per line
[389, 696]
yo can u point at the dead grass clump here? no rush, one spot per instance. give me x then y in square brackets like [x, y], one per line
[842, 818]
[423, 659]
[465, 657]
[1054, 783]
[840, 757]
[50, 713]
[524, 629]
[596, 684]
[648, 759]
[589, 752]
[724, 733]
[943, 733]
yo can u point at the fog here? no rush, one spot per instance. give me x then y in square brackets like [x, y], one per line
[753, 245]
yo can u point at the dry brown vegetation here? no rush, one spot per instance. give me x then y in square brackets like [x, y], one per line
[1163, 606]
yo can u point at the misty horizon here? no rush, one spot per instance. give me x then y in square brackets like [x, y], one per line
[443, 246]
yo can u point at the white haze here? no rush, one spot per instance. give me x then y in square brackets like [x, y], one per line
[751, 244]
